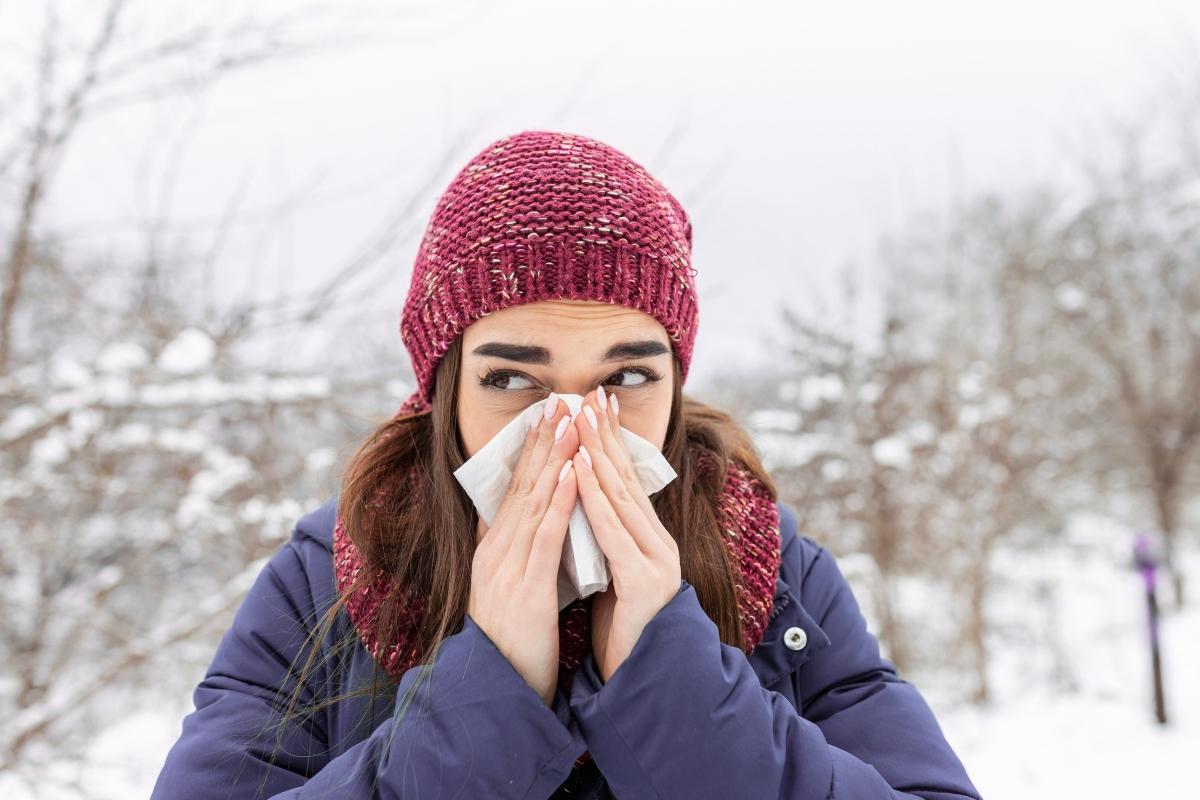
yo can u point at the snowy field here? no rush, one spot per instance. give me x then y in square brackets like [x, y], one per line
[1088, 732]
[1100, 741]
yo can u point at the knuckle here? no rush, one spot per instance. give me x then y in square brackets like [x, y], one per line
[561, 500]
[609, 518]
[534, 508]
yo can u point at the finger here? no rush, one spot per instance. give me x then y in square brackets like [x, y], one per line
[618, 546]
[546, 553]
[535, 504]
[525, 475]
[633, 519]
[547, 430]
[601, 436]
[637, 515]
[617, 452]
[605, 430]
[531, 437]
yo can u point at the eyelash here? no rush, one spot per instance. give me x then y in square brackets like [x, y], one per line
[486, 381]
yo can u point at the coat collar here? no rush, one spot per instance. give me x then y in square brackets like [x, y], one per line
[772, 659]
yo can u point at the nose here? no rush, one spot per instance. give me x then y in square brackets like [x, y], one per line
[589, 395]
[582, 391]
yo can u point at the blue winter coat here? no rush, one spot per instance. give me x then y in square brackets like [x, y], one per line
[814, 713]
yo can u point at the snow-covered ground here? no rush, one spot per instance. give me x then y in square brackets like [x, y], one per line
[1090, 732]
[1098, 739]
[1101, 741]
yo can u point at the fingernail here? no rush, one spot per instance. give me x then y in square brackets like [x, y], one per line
[585, 455]
[562, 473]
[562, 428]
[601, 399]
[616, 406]
[551, 406]
[534, 421]
[591, 417]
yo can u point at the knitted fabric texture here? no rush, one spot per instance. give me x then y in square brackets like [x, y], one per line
[543, 215]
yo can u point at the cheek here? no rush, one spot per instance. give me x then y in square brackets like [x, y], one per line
[469, 438]
[477, 424]
[472, 430]
[648, 422]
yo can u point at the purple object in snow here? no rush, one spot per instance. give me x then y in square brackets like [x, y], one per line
[1146, 558]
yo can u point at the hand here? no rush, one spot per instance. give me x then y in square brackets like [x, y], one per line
[643, 557]
[514, 571]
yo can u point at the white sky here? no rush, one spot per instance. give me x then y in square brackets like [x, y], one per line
[805, 129]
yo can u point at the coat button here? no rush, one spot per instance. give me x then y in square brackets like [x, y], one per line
[795, 638]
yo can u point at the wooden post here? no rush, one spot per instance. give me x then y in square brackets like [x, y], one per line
[1147, 560]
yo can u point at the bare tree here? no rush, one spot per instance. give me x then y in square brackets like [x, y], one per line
[1037, 355]
[80, 73]
[144, 454]
[946, 438]
[1127, 282]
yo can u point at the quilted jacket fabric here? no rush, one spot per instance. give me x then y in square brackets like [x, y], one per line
[814, 713]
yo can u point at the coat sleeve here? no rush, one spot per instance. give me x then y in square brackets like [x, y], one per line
[686, 715]
[474, 727]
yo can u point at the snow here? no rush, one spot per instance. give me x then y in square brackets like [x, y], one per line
[1098, 740]
[1101, 741]
[970, 386]
[921, 432]
[891, 451]
[869, 392]
[1089, 733]
[1075, 719]
[787, 449]
[21, 420]
[320, 459]
[121, 357]
[66, 371]
[1070, 298]
[811, 391]
[190, 351]
[773, 419]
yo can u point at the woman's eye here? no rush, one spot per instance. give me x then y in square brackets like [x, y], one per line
[503, 380]
[639, 377]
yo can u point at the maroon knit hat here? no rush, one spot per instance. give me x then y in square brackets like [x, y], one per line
[545, 215]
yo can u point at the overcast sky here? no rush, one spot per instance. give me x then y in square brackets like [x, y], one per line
[794, 133]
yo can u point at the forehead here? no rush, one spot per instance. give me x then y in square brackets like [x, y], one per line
[544, 321]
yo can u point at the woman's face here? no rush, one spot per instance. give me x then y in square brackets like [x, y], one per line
[516, 356]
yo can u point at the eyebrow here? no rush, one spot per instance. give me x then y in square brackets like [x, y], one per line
[533, 354]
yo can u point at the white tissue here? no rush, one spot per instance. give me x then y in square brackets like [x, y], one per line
[486, 475]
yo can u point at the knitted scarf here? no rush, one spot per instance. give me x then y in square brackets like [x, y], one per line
[749, 518]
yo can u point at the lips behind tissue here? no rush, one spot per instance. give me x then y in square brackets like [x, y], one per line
[486, 476]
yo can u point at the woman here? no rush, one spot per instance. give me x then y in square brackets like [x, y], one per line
[399, 647]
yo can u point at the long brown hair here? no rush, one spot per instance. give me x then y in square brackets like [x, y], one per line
[408, 515]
